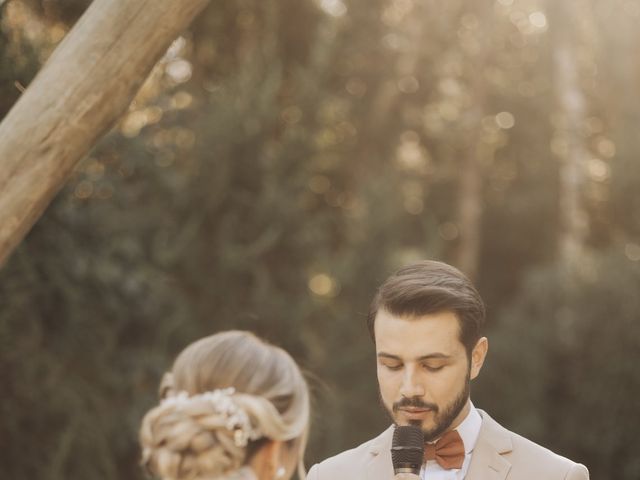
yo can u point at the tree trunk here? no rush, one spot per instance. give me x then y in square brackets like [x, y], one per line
[470, 210]
[87, 83]
[572, 150]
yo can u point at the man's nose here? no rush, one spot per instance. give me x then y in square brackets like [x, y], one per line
[412, 385]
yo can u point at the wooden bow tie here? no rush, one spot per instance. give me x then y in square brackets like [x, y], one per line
[448, 451]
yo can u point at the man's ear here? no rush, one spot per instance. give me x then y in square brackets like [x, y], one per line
[478, 354]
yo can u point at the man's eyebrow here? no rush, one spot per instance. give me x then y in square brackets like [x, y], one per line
[436, 355]
[430, 356]
[388, 355]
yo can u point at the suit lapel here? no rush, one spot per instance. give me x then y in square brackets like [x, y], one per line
[379, 466]
[488, 461]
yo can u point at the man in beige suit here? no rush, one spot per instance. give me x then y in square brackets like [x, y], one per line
[425, 321]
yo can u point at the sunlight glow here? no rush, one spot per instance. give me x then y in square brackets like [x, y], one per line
[448, 231]
[83, 190]
[335, 8]
[413, 193]
[396, 11]
[505, 120]
[411, 155]
[606, 147]
[632, 251]
[323, 285]
[179, 70]
[181, 100]
[598, 170]
[538, 19]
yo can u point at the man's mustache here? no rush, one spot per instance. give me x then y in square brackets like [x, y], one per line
[415, 403]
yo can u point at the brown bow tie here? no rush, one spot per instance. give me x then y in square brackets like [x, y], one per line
[448, 451]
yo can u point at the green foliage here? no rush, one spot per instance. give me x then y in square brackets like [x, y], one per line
[18, 64]
[573, 343]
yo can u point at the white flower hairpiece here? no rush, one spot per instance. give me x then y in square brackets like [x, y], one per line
[237, 419]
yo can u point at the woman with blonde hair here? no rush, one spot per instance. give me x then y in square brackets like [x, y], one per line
[232, 407]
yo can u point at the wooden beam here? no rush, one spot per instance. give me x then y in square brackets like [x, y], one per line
[84, 87]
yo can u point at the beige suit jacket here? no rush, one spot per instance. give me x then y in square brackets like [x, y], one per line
[498, 455]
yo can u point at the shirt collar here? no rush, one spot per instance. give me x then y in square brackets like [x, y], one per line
[469, 429]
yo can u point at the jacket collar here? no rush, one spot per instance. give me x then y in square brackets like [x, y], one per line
[488, 461]
[379, 465]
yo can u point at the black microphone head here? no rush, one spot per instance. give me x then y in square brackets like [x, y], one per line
[407, 449]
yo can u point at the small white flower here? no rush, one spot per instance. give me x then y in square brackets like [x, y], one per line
[237, 420]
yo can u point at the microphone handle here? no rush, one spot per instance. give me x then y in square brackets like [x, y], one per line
[406, 476]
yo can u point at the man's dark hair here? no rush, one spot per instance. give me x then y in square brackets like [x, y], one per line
[431, 287]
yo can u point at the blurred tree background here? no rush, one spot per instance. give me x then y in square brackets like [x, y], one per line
[281, 160]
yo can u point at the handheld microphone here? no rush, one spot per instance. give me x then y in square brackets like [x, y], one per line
[407, 452]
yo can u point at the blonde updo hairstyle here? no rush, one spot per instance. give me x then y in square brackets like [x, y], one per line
[191, 440]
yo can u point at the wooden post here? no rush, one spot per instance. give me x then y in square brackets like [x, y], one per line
[85, 86]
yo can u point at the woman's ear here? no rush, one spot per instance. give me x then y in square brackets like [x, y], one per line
[266, 462]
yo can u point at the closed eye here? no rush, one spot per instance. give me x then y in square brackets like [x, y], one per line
[433, 369]
[393, 368]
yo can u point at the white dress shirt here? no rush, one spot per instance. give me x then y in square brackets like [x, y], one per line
[469, 430]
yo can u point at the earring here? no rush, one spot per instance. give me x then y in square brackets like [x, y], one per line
[280, 472]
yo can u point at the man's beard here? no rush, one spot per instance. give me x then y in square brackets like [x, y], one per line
[442, 419]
